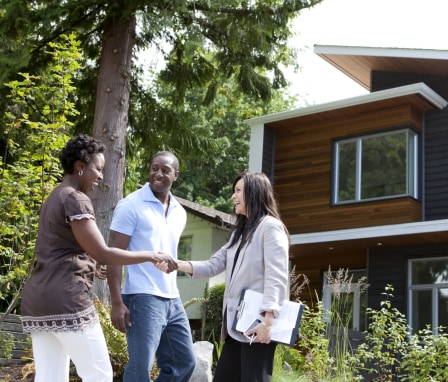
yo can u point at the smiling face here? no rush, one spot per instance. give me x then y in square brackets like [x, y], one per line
[162, 174]
[238, 198]
[92, 173]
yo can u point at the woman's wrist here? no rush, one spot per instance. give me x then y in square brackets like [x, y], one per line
[267, 325]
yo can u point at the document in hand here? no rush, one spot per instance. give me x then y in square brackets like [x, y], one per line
[286, 325]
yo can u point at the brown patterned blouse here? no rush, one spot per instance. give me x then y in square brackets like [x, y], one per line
[57, 296]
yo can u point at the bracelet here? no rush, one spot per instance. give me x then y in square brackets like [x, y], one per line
[264, 324]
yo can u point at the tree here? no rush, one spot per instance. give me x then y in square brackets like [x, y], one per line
[242, 41]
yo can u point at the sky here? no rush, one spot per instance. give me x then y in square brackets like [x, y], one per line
[372, 23]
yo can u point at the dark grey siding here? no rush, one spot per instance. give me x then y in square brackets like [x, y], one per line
[436, 166]
[435, 141]
[268, 161]
[386, 266]
[389, 266]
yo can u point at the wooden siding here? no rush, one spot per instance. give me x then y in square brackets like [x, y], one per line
[303, 173]
[313, 267]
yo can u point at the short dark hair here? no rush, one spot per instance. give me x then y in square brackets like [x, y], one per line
[82, 147]
[168, 154]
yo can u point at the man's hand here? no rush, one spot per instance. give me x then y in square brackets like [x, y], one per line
[120, 317]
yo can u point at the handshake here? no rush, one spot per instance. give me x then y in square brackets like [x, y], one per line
[165, 262]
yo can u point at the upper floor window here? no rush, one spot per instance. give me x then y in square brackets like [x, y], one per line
[375, 166]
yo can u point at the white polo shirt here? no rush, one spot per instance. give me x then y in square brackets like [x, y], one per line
[141, 216]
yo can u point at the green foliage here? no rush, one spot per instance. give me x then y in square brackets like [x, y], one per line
[214, 300]
[384, 341]
[6, 345]
[390, 353]
[314, 343]
[288, 364]
[36, 127]
[116, 340]
[425, 356]
[203, 56]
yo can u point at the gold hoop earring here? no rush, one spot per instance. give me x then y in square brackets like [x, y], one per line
[80, 173]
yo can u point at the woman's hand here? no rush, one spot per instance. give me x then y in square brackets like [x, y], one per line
[262, 331]
[101, 271]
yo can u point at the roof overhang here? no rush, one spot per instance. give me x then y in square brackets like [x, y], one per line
[419, 92]
[359, 62]
[339, 241]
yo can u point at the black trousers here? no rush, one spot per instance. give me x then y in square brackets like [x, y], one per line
[241, 362]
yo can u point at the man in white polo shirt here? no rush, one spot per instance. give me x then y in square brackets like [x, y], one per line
[148, 308]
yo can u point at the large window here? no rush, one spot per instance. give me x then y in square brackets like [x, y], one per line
[428, 293]
[375, 166]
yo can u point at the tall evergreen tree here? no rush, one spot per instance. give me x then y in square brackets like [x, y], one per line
[200, 40]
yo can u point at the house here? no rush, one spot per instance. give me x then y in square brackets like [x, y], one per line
[362, 182]
[206, 231]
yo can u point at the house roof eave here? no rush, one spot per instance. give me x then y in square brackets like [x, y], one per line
[359, 62]
[420, 89]
[434, 226]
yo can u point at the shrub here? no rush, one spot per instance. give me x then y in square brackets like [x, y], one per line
[116, 340]
[213, 312]
[382, 351]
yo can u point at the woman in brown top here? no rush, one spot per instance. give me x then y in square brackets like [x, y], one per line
[56, 306]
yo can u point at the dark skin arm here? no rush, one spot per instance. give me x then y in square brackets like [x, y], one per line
[91, 240]
[119, 313]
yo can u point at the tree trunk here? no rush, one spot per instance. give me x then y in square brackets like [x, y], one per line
[111, 120]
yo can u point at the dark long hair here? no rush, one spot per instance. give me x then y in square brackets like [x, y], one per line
[260, 202]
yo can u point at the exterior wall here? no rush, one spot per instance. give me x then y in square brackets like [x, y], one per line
[435, 140]
[303, 173]
[313, 267]
[436, 166]
[207, 238]
[389, 266]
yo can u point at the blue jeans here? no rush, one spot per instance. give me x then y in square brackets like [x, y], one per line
[160, 329]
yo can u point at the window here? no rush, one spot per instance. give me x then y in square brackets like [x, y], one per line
[344, 299]
[375, 166]
[428, 293]
[184, 250]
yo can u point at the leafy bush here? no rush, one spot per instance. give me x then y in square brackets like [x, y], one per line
[213, 312]
[6, 345]
[384, 343]
[425, 357]
[36, 127]
[116, 340]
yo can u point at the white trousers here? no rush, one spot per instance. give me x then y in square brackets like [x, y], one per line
[87, 349]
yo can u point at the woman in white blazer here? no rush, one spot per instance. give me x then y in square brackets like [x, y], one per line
[256, 257]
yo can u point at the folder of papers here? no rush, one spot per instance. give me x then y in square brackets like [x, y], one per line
[284, 328]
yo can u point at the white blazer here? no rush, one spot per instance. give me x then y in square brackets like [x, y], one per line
[262, 266]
